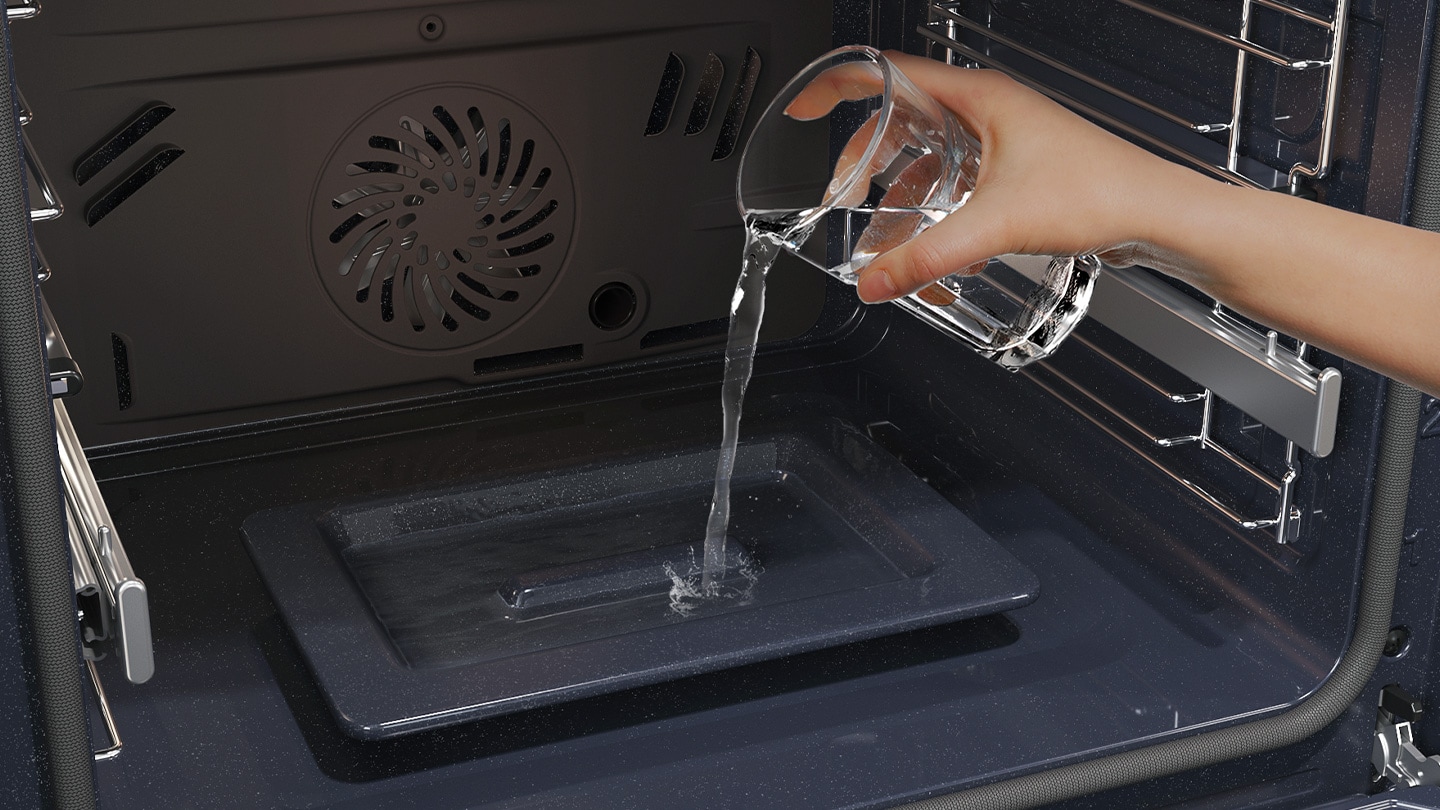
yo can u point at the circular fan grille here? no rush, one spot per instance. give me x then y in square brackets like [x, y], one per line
[442, 217]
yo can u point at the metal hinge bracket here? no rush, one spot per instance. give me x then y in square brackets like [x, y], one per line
[1395, 756]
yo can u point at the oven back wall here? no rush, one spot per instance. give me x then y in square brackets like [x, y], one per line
[287, 210]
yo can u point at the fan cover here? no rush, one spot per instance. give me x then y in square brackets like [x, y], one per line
[442, 217]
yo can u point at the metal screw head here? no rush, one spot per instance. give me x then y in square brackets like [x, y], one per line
[431, 27]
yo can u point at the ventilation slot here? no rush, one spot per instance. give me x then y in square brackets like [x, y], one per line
[110, 199]
[121, 353]
[705, 96]
[665, 95]
[535, 359]
[129, 134]
[739, 106]
[685, 333]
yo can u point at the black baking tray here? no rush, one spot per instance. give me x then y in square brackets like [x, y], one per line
[430, 608]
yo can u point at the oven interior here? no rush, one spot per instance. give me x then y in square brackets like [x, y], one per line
[375, 321]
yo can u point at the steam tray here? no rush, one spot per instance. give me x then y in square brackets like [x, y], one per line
[426, 609]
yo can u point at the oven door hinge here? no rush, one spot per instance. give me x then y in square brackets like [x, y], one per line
[1395, 756]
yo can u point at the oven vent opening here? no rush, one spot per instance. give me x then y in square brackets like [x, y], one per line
[685, 333]
[442, 218]
[540, 358]
[114, 146]
[118, 142]
[121, 352]
[665, 95]
[707, 96]
[108, 200]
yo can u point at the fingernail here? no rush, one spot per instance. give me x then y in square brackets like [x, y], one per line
[876, 286]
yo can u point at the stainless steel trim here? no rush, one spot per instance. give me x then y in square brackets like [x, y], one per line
[25, 115]
[126, 592]
[1290, 396]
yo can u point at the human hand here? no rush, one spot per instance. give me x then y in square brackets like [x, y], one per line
[1049, 183]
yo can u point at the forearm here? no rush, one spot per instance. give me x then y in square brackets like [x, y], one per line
[1053, 184]
[1360, 287]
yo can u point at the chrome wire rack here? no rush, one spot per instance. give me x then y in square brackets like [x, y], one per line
[1263, 374]
[950, 27]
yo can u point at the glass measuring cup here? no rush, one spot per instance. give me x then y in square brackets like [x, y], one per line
[900, 162]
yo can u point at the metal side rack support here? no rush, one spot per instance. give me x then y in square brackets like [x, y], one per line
[1227, 359]
[947, 24]
[1225, 356]
[21, 9]
[122, 600]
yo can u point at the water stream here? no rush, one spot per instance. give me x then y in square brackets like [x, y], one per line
[764, 239]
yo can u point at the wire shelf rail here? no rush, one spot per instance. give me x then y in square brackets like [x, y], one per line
[1231, 345]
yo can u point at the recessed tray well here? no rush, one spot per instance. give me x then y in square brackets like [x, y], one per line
[439, 607]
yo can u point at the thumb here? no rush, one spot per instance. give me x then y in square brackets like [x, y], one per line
[960, 243]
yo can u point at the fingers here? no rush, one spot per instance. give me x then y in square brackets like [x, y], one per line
[846, 189]
[849, 82]
[892, 224]
[973, 94]
[960, 243]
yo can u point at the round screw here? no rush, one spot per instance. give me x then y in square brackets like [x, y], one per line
[431, 27]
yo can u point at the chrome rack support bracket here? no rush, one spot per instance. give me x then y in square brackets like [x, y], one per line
[44, 202]
[123, 593]
[65, 376]
[1269, 382]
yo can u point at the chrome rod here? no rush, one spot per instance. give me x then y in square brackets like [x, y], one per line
[1149, 435]
[1285, 8]
[1288, 516]
[1093, 112]
[1142, 378]
[1240, 42]
[952, 19]
[1199, 491]
[1259, 475]
[1331, 107]
[116, 745]
[1237, 99]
